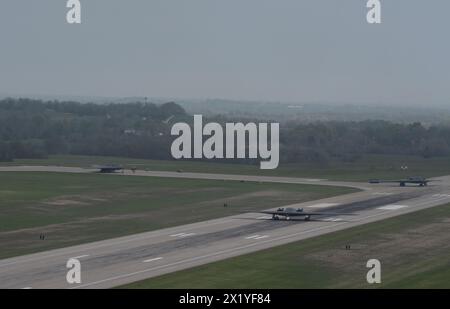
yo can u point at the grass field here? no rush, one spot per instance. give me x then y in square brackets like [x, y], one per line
[414, 251]
[78, 208]
[374, 166]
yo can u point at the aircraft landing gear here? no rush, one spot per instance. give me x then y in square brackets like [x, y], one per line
[275, 217]
[307, 218]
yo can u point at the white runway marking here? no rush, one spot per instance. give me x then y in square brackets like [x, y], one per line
[176, 235]
[152, 260]
[332, 219]
[182, 235]
[381, 193]
[442, 195]
[80, 257]
[187, 235]
[264, 217]
[323, 205]
[27, 288]
[392, 207]
[257, 237]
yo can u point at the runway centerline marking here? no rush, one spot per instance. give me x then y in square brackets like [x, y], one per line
[261, 237]
[251, 237]
[323, 205]
[264, 217]
[182, 235]
[257, 236]
[332, 219]
[392, 207]
[187, 235]
[442, 195]
[80, 257]
[152, 260]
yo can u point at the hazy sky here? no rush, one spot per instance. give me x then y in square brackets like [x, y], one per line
[282, 50]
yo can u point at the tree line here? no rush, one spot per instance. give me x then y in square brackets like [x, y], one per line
[36, 129]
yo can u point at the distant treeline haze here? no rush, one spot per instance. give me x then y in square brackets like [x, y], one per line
[35, 129]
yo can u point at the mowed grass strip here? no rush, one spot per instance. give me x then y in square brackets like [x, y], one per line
[362, 169]
[72, 209]
[414, 251]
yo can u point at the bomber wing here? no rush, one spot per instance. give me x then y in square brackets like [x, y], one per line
[302, 213]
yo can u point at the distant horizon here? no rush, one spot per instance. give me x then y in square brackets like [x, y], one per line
[162, 99]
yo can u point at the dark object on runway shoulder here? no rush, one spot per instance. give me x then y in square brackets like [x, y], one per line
[418, 180]
[108, 168]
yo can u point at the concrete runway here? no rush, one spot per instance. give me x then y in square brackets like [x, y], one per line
[118, 261]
